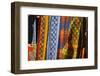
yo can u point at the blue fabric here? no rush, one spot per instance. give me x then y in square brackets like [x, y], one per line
[53, 37]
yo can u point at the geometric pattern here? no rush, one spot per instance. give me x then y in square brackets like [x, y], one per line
[42, 38]
[75, 26]
[53, 37]
[57, 37]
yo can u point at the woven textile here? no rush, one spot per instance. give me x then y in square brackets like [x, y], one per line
[75, 29]
[52, 44]
[57, 37]
[41, 51]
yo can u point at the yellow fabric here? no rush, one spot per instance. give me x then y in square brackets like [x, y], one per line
[75, 37]
[45, 36]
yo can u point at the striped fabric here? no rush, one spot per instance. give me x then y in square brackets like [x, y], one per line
[57, 37]
[52, 44]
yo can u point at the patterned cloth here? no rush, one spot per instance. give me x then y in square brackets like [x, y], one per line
[41, 51]
[52, 44]
[75, 29]
[57, 37]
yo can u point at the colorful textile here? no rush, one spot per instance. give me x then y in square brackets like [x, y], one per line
[57, 37]
[75, 28]
[41, 52]
[63, 37]
[52, 44]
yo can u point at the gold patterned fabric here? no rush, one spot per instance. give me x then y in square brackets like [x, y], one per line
[74, 36]
[41, 51]
[57, 37]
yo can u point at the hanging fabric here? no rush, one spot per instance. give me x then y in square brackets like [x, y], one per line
[42, 39]
[52, 45]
